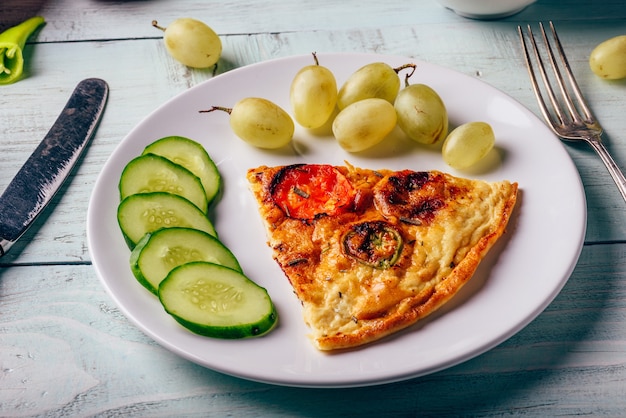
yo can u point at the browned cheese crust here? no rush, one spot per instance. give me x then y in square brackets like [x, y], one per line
[446, 224]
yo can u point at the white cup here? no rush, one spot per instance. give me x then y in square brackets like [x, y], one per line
[486, 9]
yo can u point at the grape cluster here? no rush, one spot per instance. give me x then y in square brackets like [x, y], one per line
[366, 108]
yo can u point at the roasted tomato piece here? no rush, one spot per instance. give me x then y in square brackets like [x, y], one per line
[374, 243]
[307, 191]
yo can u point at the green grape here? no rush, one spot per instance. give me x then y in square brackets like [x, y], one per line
[468, 144]
[364, 124]
[191, 42]
[422, 115]
[313, 95]
[608, 59]
[259, 122]
[377, 79]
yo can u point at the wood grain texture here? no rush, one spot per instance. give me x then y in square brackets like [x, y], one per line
[67, 350]
[82, 19]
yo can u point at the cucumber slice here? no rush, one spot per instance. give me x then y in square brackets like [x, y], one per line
[193, 157]
[141, 213]
[157, 253]
[153, 173]
[217, 301]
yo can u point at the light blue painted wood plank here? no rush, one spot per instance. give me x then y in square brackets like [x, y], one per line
[83, 19]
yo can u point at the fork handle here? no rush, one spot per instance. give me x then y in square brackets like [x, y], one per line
[610, 164]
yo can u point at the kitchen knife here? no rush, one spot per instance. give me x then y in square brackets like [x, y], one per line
[46, 169]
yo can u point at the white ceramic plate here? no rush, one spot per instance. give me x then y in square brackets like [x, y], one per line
[518, 279]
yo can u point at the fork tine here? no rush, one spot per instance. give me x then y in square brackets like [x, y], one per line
[574, 85]
[577, 113]
[559, 78]
[533, 78]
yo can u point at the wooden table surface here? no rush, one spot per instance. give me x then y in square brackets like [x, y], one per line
[67, 350]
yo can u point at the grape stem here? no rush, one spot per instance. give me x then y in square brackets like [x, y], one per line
[214, 108]
[317, 62]
[156, 25]
[403, 67]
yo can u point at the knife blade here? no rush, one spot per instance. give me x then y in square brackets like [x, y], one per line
[42, 175]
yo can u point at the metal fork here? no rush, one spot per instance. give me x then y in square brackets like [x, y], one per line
[568, 119]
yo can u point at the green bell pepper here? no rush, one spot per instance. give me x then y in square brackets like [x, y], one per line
[12, 42]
